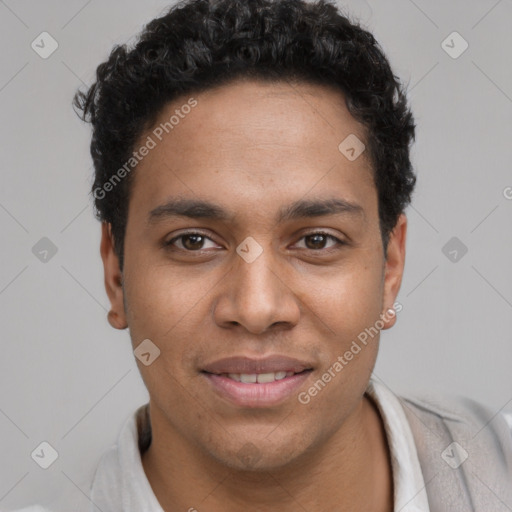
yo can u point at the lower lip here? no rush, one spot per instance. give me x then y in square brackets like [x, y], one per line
[256, 395]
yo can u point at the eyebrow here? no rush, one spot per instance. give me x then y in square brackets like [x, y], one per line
[303, 208]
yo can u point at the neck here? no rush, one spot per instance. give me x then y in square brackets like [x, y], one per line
[349, 471]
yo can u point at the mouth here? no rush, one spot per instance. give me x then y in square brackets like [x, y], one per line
[259, 378]
[247, 367]
[257, 390]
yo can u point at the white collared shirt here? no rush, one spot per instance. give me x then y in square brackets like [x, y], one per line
[120, 478]
[409, 485]
[120, 482]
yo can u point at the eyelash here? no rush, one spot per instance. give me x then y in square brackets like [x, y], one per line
[169, 244]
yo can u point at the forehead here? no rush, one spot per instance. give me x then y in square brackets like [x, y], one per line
[257, 142]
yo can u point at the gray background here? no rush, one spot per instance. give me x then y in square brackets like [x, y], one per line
[68, 378]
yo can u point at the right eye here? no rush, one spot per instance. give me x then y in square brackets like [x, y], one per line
[192, 241]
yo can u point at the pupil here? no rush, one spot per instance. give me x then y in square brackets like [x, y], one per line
[317, 239]
[196, 241]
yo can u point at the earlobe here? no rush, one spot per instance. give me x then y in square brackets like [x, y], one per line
[113, 278]
[394, 268]
[115, 321]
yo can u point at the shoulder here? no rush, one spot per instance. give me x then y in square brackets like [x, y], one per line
[464, 449]
[462, 414]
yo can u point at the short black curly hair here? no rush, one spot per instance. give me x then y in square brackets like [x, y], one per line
[200, 44]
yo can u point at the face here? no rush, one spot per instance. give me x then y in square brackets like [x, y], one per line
[251, 236]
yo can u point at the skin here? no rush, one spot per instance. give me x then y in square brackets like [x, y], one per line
[252, 148]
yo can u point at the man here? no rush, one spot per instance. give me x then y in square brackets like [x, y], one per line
[251, 174]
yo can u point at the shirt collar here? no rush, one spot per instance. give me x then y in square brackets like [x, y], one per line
[409, 484]
[120, 480]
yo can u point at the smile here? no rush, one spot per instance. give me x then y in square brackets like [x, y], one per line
[260, 378]
[256, 389]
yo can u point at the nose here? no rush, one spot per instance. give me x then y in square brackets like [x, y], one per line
[257, 296]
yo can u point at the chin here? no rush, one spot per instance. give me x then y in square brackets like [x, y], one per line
[259, 455]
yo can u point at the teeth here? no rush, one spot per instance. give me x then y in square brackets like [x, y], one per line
[266, 377]
[261, 378]
[248, 378]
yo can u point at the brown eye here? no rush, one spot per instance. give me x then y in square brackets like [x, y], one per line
[189, 242]
[318, 241]
[315, 241]
[193, 242]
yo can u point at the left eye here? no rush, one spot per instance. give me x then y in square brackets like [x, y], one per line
[316, 241]
[189, 241]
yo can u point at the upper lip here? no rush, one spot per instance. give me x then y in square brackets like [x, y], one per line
[248, 365]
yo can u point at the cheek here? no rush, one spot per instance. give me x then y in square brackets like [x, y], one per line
[171, 310]
[160, 300]
[348, 309]
[347, 300]
[351, 310]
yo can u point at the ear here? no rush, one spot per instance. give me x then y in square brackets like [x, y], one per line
[113, 278]
[394, 268]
